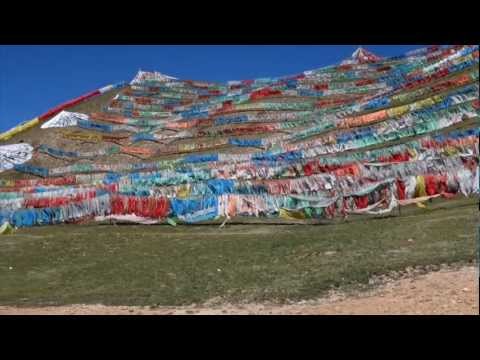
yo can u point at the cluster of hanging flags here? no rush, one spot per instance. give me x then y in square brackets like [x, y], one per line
[362, 137]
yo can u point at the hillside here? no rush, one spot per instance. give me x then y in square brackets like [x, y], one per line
[325, 184]
[360, 138]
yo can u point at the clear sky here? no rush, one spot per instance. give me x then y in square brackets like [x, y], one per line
[36, 78]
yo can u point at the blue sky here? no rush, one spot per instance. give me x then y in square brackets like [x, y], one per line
[36, 78]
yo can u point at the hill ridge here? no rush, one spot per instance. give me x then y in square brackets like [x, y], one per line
[362, 137]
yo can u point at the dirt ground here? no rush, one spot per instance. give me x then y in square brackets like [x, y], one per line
[447, 291]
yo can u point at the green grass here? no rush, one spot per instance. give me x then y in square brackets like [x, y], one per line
[164, 265]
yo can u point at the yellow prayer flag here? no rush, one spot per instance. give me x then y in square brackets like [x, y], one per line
[292, 215]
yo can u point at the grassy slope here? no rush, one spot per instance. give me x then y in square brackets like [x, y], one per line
[52, 137]
[147, 265]
[36, 135]
[165, 265]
